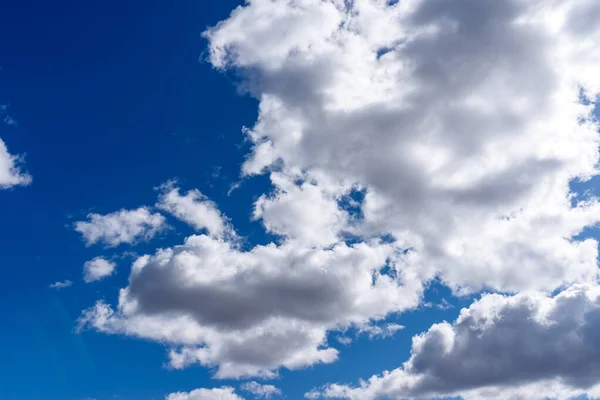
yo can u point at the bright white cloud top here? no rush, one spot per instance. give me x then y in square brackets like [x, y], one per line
[124, 226]
[97, 269]
[463, 123]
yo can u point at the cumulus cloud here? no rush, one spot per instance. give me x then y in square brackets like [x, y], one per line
[301, 212]
[60, 285]
[527, 346]
[261, 391]
[250, 312]
[462, 123]
[195, 209]
[124, 226]
[11, 173]
[222, 393]
[97, 269]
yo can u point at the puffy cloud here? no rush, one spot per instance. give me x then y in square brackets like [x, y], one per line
[261, 391]
[60, 285]
[301, 212]
[124, 226]
[250, 312]
[195, 209]
[528, 346]
[222, 393]
[97, 269]
[11, 173]
[463, 122]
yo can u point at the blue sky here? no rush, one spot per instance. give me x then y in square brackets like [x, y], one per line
[113, 100]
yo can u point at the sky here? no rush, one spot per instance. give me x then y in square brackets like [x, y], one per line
[263, 199]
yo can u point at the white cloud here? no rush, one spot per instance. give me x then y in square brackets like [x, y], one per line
[11, 173]
[462, 121]
[195, 209]
[250, 312]
[261, 391]
[60, 285]
[302, 213]
[222, 393]
[97, 269]
[528, 346]
[124, 226]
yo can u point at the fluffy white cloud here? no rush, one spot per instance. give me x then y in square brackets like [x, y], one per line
[250, 312]
[463, 121]
[61, 285]
[124, 226]
[528, 346]
[261, 391]
[97, 269]
[195, 209]
[222, 393]
[301, 212]
[11, 173]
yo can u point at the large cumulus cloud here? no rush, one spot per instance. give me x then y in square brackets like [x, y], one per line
[528, 346]
[250, 312]
[463, 120]
[462, 123]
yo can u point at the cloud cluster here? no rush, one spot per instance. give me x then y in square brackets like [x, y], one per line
[462, 124]
[124, 226]
[463, 121]
[528, 346]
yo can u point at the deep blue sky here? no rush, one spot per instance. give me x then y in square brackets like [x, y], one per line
[111, 100]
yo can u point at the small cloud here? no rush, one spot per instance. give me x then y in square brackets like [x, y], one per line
[443, 305]
[124, 226]
[261, 391]
[8, 120]
[376, 332]
[345, 340]
[61, 285]
[97, 269]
